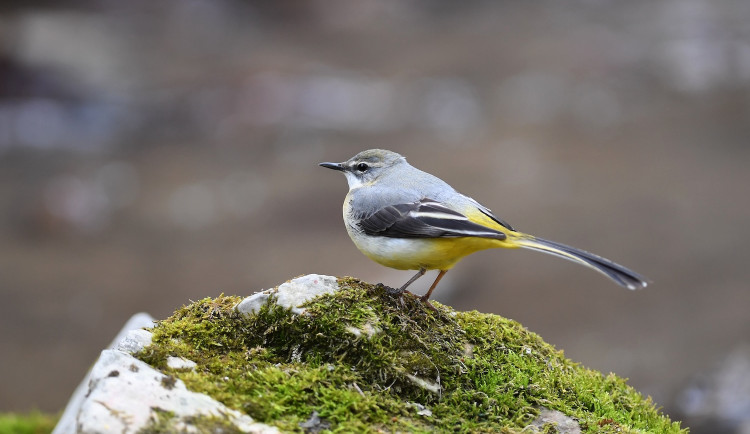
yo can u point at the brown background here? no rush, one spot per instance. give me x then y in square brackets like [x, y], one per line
[155, 154]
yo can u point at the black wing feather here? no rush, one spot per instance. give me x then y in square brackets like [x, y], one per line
[422, 220]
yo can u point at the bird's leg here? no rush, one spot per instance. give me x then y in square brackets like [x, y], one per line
[425, 298]
[419, 274]
[401, 291]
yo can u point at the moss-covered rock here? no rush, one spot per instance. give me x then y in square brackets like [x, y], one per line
[364, 359]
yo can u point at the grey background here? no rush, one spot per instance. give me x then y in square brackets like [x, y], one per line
[157, 153]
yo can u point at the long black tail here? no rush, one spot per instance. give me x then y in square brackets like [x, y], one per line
[621, 275]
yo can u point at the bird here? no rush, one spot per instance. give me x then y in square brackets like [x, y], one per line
[407, 219]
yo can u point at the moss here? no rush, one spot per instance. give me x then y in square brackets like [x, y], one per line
[163, 421]
[34, 422]
[364, 359]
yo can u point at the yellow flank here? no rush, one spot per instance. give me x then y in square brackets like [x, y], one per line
[427, 253]
[446, 252]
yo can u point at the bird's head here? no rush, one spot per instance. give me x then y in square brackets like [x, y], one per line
[367, 166]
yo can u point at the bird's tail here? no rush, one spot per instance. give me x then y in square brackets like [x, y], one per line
[621, 275]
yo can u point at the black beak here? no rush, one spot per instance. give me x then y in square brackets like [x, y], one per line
[334, 166]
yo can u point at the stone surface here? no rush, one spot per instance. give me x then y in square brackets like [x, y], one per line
[252, 304]
[126, 395]
[291, 295]
[563, 423]
[180, 363]
[134, 341]
[131, 338]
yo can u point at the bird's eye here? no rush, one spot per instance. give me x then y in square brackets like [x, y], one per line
[362, 167]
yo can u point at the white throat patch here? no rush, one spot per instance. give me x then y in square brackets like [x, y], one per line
[353, 181]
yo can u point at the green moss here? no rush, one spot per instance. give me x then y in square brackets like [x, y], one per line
[362, 359]
[163, 421]
[34, 422]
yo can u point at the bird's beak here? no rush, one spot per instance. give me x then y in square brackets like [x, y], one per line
[334, 166]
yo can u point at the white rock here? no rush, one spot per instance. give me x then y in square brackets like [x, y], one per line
[563, 423]
[124, 393]
[134, 341]
[136, 322]
[291, 295]
[180, 363]
[251, 305]
[296, 292]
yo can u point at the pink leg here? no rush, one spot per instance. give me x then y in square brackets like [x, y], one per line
[426, 297]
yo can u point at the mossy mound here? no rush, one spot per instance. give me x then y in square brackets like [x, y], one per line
[363, 359]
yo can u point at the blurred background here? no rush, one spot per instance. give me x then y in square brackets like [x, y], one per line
[153, 153]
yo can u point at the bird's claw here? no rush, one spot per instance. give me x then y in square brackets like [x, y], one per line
[428, 304]
[398, 292]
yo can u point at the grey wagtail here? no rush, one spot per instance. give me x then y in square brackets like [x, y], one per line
[407, 219]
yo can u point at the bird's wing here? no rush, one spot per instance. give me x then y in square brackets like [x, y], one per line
[423, 219]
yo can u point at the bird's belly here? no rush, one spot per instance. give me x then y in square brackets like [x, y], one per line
[418, 253]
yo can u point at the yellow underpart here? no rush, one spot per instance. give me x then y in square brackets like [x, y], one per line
[427, 253]
[434, 253]
[446, 252]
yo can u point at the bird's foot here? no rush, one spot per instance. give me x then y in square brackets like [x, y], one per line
[396, 292]
[427, 303]
[393, 291]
